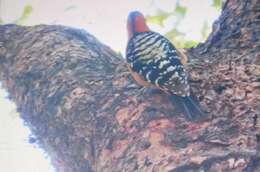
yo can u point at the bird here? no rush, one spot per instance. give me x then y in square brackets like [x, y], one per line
[153, 61]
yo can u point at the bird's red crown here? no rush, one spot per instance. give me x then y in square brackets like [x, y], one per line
[136, 23]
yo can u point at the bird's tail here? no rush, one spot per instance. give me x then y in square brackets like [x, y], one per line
[189, 106]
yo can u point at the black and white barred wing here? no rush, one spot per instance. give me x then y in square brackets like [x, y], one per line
[156, 59]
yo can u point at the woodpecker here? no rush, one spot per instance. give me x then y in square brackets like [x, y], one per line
[154, 62]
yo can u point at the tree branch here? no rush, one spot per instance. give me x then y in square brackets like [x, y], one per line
[81, 103]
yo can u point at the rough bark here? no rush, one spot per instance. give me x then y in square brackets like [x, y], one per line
[88, 114]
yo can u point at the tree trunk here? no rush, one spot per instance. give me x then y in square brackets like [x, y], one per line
[87, 113]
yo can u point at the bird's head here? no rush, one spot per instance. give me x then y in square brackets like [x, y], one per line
[136, 23]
